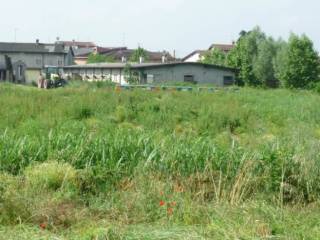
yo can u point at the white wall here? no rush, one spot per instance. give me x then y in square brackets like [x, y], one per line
[196, 57]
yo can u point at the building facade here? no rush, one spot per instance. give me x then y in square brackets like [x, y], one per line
[28, 59]
[153, 73]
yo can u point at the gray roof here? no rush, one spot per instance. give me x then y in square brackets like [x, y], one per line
[143, 65]
[82, 51]
[7, 47]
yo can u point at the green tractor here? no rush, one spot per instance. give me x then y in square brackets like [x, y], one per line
[52, 77]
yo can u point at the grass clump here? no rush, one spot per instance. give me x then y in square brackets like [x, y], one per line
[51, 176]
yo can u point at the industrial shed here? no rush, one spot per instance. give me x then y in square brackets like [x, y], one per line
[153, 73]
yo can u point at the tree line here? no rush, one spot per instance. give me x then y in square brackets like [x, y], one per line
[261, 60]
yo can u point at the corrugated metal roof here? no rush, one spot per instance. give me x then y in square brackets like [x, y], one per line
[143, 65]
[7, 47]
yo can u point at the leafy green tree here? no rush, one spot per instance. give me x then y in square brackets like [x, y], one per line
[300, 66]
[99, 58]
[280, 61]
[215, 56]
[137, 53]
[263, 67]
[131, 76]
[243, 55]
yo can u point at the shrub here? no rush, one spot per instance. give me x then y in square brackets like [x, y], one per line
[83, 113]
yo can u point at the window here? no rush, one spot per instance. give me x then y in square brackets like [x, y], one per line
[59, 62]
[227, 80]
[19, 71]
[150, 78]
[38, 62]
[189, 78]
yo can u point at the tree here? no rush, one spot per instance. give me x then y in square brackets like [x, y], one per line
[300, 66]
[263, 68]
[137, 54]
[243, 55]
[99, 58]
[215, 56]
[131, 76]
[280, 61]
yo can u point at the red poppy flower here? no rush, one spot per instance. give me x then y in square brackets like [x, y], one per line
[43, 226]
[162, 203]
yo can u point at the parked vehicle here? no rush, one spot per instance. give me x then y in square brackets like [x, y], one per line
[53, 77]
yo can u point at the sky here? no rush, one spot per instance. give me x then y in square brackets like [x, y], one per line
[180, 25]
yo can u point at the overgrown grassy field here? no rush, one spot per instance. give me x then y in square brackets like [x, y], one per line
[88, 162]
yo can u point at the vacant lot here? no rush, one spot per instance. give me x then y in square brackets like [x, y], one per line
[88, 162]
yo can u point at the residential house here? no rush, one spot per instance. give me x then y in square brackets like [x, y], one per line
[28, 59]
[77, 45]
[153, 73]
[198, 55]
[119, 54]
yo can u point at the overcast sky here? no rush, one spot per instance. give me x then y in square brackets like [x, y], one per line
[181, 25]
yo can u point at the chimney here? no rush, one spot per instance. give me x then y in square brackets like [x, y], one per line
[141, 60]
[37, 41]
[123, 59]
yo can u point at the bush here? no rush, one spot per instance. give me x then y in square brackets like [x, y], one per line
[83, 113]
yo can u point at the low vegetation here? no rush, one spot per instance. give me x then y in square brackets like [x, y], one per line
[89, 162]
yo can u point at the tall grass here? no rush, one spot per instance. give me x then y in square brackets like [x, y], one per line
[215, 147]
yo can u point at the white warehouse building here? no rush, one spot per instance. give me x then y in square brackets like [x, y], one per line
[153, 73]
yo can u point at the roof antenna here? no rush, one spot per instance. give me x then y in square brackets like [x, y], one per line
[15, 34]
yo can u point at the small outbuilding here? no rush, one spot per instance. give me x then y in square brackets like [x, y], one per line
[153, 73]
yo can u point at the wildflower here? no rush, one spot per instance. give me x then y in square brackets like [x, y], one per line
[178, 189]
[43, 226]
[170, 211]
[173, 204]
[162, 203]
